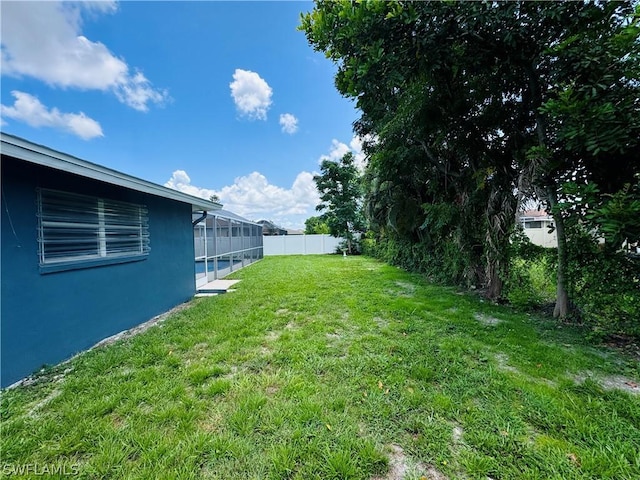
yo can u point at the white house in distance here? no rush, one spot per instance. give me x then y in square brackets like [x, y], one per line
[536, 224]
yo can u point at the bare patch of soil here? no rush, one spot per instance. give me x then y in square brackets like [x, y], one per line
[265, 351]
[272, 336]
[457, 434]
[503, 363]
[211, 423]
[44, 402]
[487, 320]
[143, 327]
[381, 322]
[401, 467]
[406, 289]
[610, 382]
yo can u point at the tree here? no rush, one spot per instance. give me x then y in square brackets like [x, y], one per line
[315, 225]
[476, 105]
[447, 132]
[214, 198]
[341, 195]
[588, 122]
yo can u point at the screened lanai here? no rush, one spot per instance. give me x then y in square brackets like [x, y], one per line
[225, 242]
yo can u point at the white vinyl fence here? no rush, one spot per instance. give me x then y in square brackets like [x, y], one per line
[300, 244]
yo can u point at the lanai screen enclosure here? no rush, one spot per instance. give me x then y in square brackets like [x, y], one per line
[224, 242]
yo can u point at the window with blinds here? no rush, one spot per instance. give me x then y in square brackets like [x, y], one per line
[75, 228]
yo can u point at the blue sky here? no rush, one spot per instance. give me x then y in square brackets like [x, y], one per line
[221, 98]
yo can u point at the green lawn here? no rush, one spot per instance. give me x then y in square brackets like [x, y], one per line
[326, 367]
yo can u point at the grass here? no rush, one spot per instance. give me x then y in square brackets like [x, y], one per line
[324, 367]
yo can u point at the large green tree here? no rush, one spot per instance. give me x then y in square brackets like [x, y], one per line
[586, 98]
[340, 190]
[315, 225]
[460, 98]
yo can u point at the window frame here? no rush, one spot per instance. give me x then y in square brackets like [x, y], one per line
[533, 224]
[120, 212]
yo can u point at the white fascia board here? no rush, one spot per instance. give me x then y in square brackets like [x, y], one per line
[30, 152]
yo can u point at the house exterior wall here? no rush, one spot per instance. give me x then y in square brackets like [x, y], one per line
[541, 236]
[48, 317]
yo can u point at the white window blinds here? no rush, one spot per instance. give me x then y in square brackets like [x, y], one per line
[78, 228]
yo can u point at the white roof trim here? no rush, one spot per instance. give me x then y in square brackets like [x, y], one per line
[30, 152]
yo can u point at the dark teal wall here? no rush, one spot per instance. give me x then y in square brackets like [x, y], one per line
[46, 318]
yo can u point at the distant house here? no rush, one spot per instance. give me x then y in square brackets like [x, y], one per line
[270, 228]
[88, 252]
[536, 225]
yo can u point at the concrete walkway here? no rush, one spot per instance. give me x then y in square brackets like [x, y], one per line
[215, 287]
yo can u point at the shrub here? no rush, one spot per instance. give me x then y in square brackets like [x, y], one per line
[531, 280]
[606, 286]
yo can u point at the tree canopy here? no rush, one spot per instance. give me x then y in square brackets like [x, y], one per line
[474, 107]
[341, 198]
[315, 225]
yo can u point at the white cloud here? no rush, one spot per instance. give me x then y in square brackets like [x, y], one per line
[182, 182]
[289, 123]
[30, 110]
[253, 197]
[251, 94]
[44, 40]
[338, 149]
[137, 92]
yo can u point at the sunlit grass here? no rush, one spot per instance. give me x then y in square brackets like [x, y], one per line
[318, 367]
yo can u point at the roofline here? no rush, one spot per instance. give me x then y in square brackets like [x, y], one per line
[40, 155]
[222, 213]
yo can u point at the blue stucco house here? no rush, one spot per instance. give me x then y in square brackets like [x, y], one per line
[86, 252]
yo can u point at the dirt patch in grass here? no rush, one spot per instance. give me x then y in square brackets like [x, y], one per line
[234, 370]
[611, 382]
[457, 434]
[405, 289]
[265, 351]
[143, 327]
[503, 363]
[402, 467]
[211, 423]
[44, 402]
[487, 319]
[200, 347]
[381, 322]
[272, 336]
[271, 390]
[118, 421]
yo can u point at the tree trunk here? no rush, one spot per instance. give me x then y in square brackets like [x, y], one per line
[494, 291]
[500, 219]
[562, 297]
